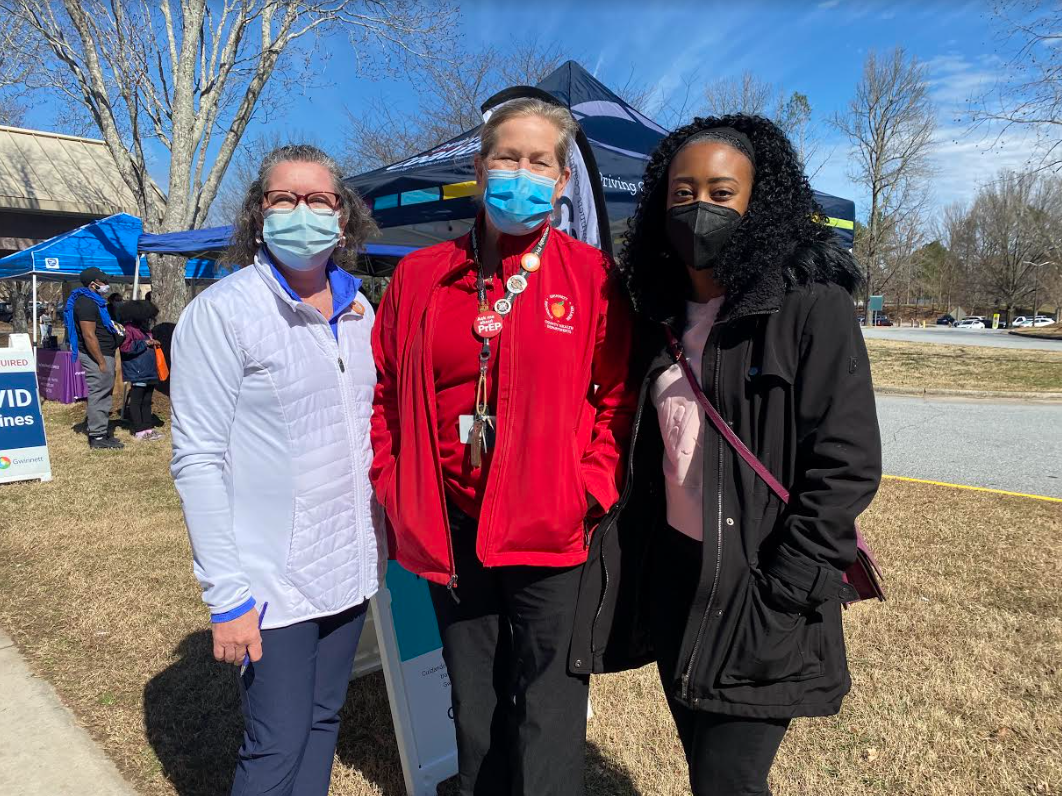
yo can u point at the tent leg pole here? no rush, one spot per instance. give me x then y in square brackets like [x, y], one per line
[136, 277]
[35, 324]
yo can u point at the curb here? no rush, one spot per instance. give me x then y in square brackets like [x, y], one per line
[935, 392]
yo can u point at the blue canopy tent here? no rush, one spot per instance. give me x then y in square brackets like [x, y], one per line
[204, 246]
[107, 243]
[424, 195]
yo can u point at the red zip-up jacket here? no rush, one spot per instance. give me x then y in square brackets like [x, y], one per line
[563, 416]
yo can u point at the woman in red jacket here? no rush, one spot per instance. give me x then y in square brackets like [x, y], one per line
[501, 416]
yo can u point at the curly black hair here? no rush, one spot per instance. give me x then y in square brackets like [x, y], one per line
[782, 217]
[139, 313]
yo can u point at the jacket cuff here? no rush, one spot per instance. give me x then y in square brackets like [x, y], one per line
[602, 487]
[233, 613]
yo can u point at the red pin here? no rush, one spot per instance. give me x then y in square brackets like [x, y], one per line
[488, 324]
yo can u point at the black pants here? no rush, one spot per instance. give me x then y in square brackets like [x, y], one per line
[520, 716]
[140, 408]
[726, 755]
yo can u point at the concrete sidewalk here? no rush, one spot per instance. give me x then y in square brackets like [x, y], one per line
[42, 750]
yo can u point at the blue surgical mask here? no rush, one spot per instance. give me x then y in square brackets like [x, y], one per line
[301, 239]
[517, 201]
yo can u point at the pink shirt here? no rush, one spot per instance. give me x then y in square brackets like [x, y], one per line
[682, 425]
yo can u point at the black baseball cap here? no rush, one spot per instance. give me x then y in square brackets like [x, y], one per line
[90, 275]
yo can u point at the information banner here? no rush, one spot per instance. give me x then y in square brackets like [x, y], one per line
[418, 686]
[23, 445]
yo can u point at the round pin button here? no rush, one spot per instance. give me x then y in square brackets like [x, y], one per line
[503, 306]
[358, 308]
[530, 262]
[516, 284]
[487, 325]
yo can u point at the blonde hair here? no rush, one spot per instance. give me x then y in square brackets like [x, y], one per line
[556, 115]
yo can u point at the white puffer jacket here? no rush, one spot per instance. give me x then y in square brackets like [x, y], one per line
[271, 450]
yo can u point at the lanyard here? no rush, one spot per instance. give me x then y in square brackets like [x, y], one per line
[488, 325]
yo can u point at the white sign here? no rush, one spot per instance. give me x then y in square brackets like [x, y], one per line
[23, 445]
[51, 262]
[576, 210]
[418, 686]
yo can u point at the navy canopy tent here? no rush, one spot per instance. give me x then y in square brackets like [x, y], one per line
[429, 191]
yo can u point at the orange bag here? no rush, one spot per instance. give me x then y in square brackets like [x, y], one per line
[160, 364]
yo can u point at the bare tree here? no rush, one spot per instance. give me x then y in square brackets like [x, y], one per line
[1028, 94]
[890, 124]
[450, 93]
[15, 72]
[1008, 232]
[746, 93]
[191, 76]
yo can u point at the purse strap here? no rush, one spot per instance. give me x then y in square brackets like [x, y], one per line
[675, 348]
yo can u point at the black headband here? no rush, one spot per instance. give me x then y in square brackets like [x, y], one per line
[726, 135]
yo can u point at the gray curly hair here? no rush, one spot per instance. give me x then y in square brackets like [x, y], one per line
[357, 227]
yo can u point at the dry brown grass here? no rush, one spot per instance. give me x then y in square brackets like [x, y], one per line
[957, 678]
[921, 366]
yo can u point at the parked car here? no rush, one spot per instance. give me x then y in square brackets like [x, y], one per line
[945, 320]
[970, 323]
[1025, 321]
[879, 320]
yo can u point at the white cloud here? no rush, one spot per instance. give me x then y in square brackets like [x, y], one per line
[827, 4]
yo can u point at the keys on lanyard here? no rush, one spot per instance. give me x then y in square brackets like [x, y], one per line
[488, 325]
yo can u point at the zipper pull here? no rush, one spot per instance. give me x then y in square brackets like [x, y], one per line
[452, 588]
[685, 685]
[342, 367]
[586, 534]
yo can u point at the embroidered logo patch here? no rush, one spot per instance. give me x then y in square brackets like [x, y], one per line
[559, 313]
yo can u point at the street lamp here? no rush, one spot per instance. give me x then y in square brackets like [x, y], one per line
[1036, 287]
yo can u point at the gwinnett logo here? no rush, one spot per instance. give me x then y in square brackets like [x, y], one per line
[4, 462]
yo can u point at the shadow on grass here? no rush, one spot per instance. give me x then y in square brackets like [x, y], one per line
[193, 721]
[194, 725]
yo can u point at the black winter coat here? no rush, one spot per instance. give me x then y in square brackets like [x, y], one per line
[787, 368]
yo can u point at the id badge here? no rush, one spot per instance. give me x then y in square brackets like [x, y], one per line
[464, 430]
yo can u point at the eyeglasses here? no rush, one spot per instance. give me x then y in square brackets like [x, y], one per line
[322, 202]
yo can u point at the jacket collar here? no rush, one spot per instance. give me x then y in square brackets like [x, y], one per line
[508, 246]
[344, 286]
[761, 298]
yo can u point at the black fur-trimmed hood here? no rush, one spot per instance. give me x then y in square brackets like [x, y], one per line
[821, 261]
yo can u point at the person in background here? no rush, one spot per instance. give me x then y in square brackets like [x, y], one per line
[726, 253]
[94, 337]
[500, 422]
[271, 391]
[139, 368]
[44, 321]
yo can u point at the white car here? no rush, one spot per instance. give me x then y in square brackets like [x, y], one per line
[970, 323]
[1023, 322]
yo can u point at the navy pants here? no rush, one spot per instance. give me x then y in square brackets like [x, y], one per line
[291, 702]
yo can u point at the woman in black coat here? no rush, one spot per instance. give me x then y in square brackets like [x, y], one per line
[736, 595]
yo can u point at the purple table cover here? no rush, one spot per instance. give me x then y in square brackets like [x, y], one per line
[59, 377]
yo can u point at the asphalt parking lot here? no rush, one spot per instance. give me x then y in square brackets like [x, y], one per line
[1009, 445]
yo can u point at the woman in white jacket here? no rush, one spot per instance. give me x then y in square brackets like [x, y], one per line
[272, 391]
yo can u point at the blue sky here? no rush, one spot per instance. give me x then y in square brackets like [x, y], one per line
[817, 48]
